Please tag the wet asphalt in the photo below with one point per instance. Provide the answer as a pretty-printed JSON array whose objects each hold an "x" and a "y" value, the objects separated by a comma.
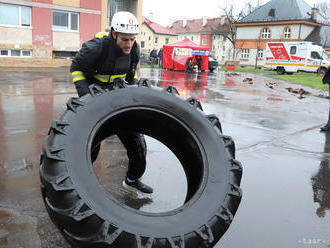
[{"x": 286, "y": 178}]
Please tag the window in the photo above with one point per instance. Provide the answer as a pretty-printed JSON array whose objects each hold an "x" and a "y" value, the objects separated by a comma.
[
  {"x": 265, "y": 34},
  {"x": 223, "y": 58},
  {"x": 293, "y": 50},
  {"x": 245, "y": 54},
  {"x": 167, "y": 40},
  {"x": 15, "y": 15},
  {"x": 64, "y": 54},
  {"x": 142, "y": 44},
  {"x": 287, "y": 33},
  {"x": 224, "y": 38},
  {"x": 4, "y": 53},
  {"x": 315, "y": 55},
  {"x": 204, "y": 41},
  {"x": 149, "y": 38},
  {"x": 223, "y": 48},
  {"x": 192, "y": 38},
  {"x": 156, "y": 40},
  {"x": 15, "y": 53},
  {"x": 26, "y": 53},
  {"x": 260, "y": 54},
  {"x": 271, "y": 12},
  {"x": 65, "y": 21}
]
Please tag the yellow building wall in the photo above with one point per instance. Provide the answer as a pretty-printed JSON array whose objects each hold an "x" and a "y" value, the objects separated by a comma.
[
  {"x": 66, "y": 41},
  {"x": 70, "y": 3},
  {"x": 18, "y": 38},
  {"x": 146, "y": 32}
]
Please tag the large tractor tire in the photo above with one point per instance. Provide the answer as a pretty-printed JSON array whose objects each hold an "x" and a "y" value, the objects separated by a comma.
[{"x": 86, "y": 213}]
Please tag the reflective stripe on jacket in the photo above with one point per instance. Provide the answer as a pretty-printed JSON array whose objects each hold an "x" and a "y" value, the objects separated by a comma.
[
  {"x": 101, "y": 60},
  {"x": 78, "y": 75}
]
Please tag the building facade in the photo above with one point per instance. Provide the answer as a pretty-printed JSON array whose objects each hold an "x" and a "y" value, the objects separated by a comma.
[
  {"x": 154, "y": 36},
  {"x": 50, "y": 32},
  {"x": 277, "y": 20},
  {"x": 206, "y": 32}
]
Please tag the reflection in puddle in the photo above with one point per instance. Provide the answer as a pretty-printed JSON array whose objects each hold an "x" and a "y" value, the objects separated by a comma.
[
  {"x": 321, "y": 181},
  {"x": 164, "y": 171},
  {"x": 188, "y": 84}
]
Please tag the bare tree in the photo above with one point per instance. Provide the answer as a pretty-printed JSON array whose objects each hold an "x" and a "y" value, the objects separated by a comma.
[{"x": 229, "y": 30}]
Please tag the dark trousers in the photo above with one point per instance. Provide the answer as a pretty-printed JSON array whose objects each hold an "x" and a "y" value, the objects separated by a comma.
[
  {"x": 134, "y": 144},
  {"x": 329, "y": 108},
  {"x": 136, "y": 148}
]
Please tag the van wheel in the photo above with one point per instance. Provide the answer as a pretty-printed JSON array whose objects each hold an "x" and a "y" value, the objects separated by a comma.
[
  {"x": 322, "y": 71},
  {"x": 88, "y": 216},
  {"x": 280, "y": 70},
  {"x": 289, "y": 73}
]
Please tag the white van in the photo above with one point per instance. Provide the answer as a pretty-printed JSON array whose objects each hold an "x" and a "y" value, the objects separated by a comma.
[{"x": 290, "y": 57}]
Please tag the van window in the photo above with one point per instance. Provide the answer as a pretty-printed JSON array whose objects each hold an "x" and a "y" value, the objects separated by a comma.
[
  {"x": 315, "y": 55},
  {"x": 293, "y": 50}
]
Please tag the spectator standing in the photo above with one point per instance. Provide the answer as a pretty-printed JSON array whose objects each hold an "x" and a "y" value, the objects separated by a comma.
[
  {"x": 160, "y": 57},
  {"x": 153, "y": 56}
]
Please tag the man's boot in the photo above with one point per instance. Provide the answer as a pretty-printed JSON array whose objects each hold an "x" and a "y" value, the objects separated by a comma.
[
  {"x": 325, "y": 128},
  {"x": 137, "y": 185}
]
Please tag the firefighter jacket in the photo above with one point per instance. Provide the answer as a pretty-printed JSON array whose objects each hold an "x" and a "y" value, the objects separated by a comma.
[{"x": 100, "y": 60}]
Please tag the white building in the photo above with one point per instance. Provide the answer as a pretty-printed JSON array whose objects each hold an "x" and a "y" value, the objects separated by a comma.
[{"x": 277, "y": 20}]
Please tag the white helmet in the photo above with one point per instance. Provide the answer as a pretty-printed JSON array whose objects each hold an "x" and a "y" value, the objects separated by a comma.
[{"x": 125, "y": 22}]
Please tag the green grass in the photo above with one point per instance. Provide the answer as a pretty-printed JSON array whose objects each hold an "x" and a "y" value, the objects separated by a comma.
[
  {"x": 149, "y": 66},
  {"x": 312, "y": 80},
  {"x": 247, "y": 69}
]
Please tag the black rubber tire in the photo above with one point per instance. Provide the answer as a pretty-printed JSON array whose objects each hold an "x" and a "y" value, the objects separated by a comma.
[
  {"x": 322, "y": 71},
  {"x": 280, "y": 70},
  {"x": 88, "y": 216}
]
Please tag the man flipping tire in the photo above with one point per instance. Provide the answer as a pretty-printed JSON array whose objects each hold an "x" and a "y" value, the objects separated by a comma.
[{"x": 103, "y": 60}]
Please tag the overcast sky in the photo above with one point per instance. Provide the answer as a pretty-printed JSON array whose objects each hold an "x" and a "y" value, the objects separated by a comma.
[{"x": 164, "y": 11}]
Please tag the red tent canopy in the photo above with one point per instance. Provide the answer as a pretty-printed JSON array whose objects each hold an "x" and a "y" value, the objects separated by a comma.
[{"x": 176, "y": 55}]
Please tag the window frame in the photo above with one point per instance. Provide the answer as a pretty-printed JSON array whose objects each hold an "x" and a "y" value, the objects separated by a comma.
[
  {"x": 264, "y": 35},
  {"x": 245, "y": 53},
  {"x": 204, "y": 42},
  {"x": 20, "y": 56},
  {"x": 285, "y": 33},
  {"x": 260, "y": 53},
  {"x": 293, "y": 50},
  {"x": 69, "y": 21},
  {"x": 19, "y": 17}
]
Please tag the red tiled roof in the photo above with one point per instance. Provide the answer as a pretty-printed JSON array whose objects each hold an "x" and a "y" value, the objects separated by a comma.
[
  {"x": 196, "y": 26},
  {"x": 157, "y": 28}
]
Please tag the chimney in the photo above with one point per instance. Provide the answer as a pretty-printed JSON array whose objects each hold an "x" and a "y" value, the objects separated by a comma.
[
  {"x": 184, "y": 23},
  {"x": 315, "y": 12},
  {"x": 204, "y": 20},
  {"x": 151, "y": 16}
]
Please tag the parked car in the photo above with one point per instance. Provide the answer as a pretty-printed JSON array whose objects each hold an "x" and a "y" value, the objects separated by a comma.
[
  {"x": 213, "y": 64},
  {"x": 144, "y": 59}
]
